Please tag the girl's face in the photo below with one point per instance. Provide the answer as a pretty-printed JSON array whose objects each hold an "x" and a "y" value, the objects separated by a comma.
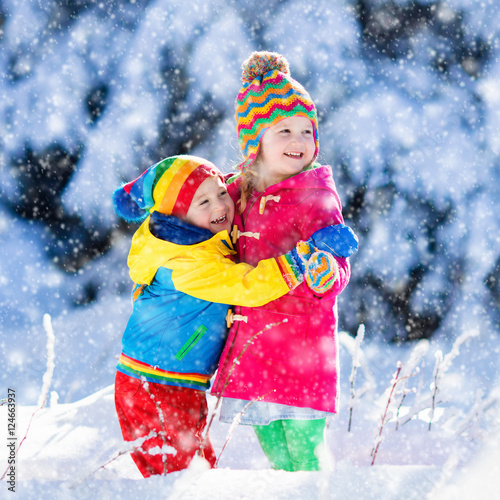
[
  {"x": 211, "y": 208},
  {"x": 285, "y": 149}
]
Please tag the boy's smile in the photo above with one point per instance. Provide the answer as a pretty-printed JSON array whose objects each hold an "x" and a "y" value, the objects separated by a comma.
[
  {"x": 212, "y": 208},
  {"x": 220, "y": 220}
]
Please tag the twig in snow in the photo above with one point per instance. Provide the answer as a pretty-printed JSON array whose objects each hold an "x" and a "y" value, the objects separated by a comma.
[
  {"x": 47, "y": 380},
  {"x": 411, "y": 369},
  {"x": 137, "y": 444},
  {"x": 378, "y": 440},
  {"x": 47, "y": 376},
  {"x": 405, "y": 392},
  {"x": 442, "y": 365},
  {"x": 416, "y": 409},
  {"x": 129, "y": 446},
  {"x": 226, "y": 382},
  {"x": 476, "y": 413},
  {"x": 434, "y": 385},
  {"x": 162, "y": 423},
  {"x": 236, "y": 421},
  {"x": 355, "y": 364},
  {"x": 401, "y": 376}
]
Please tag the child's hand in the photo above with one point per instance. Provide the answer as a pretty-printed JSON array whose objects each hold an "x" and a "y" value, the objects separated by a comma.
[
  {"x": 313, "y": 257},
  {"x": 318, "y": 268},
  {"x": 321, "y": 272},
  {"x": 337, "y": 239}
]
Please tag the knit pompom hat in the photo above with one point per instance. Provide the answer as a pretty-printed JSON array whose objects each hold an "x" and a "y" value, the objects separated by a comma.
[
  {"x": 269, "y": 94},
  {"x": 167, "y": 187}
]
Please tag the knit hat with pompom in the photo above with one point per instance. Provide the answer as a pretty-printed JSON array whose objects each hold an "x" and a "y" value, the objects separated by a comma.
[
  {"x": 269, "y": 94},
  {"x": 167, "y": 187}
]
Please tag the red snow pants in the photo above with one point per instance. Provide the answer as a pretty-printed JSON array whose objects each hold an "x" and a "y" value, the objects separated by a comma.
[{"x": 178, "y": 430}]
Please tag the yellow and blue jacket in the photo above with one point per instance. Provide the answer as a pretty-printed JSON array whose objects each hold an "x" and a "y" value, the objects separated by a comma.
[{"x": 184, "y": 280}]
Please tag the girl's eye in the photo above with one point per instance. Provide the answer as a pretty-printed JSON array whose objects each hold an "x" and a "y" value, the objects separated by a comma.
[
  {"x": 203, "y": 202},
  {"x": 308, "y": 131},
  {"x": 222, "y": 193}
]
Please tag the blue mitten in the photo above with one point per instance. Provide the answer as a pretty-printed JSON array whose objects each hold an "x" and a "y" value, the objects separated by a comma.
[{"x": 338, "y": 239}]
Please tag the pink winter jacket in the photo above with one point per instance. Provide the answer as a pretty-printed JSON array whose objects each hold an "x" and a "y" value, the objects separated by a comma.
[{"x": 296, "y": 362}]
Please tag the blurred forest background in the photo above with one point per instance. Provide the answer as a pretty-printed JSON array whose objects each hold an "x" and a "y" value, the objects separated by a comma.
[{"x": 93, "y": 92}]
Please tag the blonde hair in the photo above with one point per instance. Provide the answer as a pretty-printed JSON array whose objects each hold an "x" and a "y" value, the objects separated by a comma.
[{"x": 249, "y": 179}]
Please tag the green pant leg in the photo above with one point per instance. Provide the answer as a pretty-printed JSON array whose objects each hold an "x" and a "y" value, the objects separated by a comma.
[
  {"x": 303, "y": 437},
  {"x": 273, "y": 442}
]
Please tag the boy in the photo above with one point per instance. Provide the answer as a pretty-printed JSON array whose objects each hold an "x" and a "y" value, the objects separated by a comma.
[{"x": 180, "y": 262}]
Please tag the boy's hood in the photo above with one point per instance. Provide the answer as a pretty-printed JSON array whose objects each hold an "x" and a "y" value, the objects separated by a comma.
[
  {"x": 162, "y": 238},
  {"x": 173, "y": 229}
]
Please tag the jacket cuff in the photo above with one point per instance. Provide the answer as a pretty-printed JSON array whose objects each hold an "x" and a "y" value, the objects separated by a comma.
[
  {"x": 301, "y": 254},
  {"x": 291, "y": 269}
]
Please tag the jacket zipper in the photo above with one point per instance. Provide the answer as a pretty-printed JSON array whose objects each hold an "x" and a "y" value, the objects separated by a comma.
[
  {"x": 191, "y": 342},
  {"x": 243, "y": 220}
]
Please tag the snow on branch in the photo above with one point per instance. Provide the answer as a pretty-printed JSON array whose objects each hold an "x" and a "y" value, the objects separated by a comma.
[
  {"x": 398, "y": 390},
  {"x": 410, "y": 369},
  {"x": 358, "y": 361},
  {"x": 472, "y": 420},
  {"x": 47, "y": 376},
  {"x": 236, "y": 421},
  {"x": 443, "y": 364},
  {"x": 47, "y": 379},
  {"x": 226, "y": 382},
  {"x": 127, "y": 447},
  {"x": 386, "y": 416}
]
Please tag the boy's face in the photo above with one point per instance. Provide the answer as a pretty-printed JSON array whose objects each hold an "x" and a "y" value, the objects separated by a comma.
[{"x": 212, "y": 208}]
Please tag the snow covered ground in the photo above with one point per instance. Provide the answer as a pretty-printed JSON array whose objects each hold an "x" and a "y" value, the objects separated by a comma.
[{"x": 75, "y": 450}]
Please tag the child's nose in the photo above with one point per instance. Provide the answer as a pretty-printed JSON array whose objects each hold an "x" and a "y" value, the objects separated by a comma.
[{"x": 220, "y": 204}]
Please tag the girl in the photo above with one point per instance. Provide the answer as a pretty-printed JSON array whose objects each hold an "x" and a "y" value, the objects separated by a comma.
[{"x": 283, "y": 196}]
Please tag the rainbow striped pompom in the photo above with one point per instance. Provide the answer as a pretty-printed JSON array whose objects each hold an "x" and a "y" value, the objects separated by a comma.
[{"x": 260, "y": 63}]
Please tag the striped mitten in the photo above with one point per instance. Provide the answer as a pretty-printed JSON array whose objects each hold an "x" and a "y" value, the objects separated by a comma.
[
  {"x": 319, "y": 268},
  {"x": 321, "y": 273}
]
